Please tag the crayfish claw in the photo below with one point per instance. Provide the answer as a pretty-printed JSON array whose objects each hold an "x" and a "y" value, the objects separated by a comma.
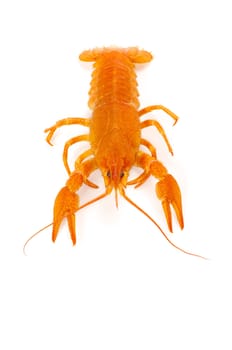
[
  {"x": 167, "y": 212},
  {"x": 65, "y": 206},
  {"x": 72, "y": 227},
  {"x": 168, "y": 192}
]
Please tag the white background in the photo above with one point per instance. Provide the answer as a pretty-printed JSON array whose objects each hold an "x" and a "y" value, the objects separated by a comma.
[{"x": 122, "y": 286}]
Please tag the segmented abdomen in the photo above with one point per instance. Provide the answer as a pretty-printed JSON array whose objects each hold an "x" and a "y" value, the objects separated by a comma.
[{"x": 113, "y": 81}]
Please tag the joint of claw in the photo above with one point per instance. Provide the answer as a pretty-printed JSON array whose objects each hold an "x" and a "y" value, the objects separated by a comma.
[
  {"x": 158, "y": 170},
  {"x": 75, "y": 181}
]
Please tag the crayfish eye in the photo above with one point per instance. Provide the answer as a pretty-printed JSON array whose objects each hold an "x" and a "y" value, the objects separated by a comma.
[
  {"x": 121, "y": 174},
  {"x": 108, "y": 174}
]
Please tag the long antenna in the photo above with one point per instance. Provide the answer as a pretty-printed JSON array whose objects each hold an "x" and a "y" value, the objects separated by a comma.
[
  {"x": 35, "y": 234},
  {"x": 160, "y": 229}
]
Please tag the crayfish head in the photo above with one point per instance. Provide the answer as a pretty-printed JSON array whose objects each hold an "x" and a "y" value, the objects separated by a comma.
[{"x": 115, "y": 177}]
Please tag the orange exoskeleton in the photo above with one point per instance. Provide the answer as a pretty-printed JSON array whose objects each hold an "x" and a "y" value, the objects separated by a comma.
[{"x": 114, "y": 136}]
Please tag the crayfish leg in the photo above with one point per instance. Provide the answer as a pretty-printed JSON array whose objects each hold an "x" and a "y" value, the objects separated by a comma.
[{"x": 159, "y": 107}]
